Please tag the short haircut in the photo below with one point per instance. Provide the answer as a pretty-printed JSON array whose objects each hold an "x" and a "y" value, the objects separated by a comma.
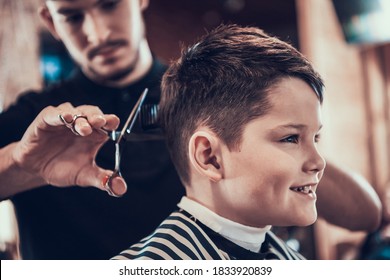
[{"x": 222, "y": 82}]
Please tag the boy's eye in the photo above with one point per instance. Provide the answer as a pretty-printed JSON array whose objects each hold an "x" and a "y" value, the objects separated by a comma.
[
  {"x": 291, "y": 139},
  {"x": 317, "y": 138}
]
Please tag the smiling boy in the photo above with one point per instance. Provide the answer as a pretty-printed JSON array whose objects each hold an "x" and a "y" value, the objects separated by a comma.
[
  {"x": 241, "y": 111},
  {"x": 59, "y": 199}
]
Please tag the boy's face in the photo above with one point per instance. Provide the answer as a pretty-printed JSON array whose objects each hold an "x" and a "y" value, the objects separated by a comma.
[
  {"x": 272, "y": 178},
  {"x": 102, "y": 36}
]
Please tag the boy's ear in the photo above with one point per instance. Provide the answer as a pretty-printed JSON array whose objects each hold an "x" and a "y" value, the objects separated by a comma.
[
  {"x": 205, "y": 155},
  {"x": 48, "y": 21}
]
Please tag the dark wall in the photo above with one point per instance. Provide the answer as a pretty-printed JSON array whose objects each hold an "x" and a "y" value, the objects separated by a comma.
[{"x": 172, "y": 22}]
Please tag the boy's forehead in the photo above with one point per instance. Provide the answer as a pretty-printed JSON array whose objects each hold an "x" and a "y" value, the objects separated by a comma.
[{"x": 292, "y": 94}]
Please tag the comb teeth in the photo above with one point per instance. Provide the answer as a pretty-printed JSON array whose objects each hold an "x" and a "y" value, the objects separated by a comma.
[{"x": 149, "y": 116}]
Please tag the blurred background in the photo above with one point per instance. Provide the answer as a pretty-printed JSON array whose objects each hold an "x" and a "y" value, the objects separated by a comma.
[{"x": 348, "y": 41}]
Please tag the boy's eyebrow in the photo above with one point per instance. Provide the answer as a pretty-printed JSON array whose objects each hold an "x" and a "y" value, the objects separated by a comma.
[{"x": 295, "y": 126}]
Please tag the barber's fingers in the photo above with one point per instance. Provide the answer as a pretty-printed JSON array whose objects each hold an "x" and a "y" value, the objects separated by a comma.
[
  {"x": 117, "y": 186},
  {"x": 49, "y": 116},
  {"x": 96, "y": 176},
  {"x": 92, "y": 118},
  {"x": 82, "y": 120},
  {"x": 86, "y": 124}
]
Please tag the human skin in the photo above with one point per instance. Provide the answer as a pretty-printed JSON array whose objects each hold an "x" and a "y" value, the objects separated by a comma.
[{"x": 272, "y": 177}]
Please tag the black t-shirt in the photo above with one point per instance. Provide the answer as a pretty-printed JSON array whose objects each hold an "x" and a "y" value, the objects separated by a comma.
[{"x": 87, "y": 223}]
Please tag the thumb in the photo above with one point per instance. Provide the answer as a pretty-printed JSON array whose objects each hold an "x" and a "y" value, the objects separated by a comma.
[
  {"x": 115, "y": 185},
  {"x": 98, "y": 177}
]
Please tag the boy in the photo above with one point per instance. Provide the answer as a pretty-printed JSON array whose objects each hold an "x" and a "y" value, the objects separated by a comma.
[
  {"x": 106, "y": 40},
  {"x": 241, "y": 113}
]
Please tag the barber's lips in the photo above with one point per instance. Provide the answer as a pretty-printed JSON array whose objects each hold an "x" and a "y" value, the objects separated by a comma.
[
  {"x": 307, "y": 190},
  {"x": 106, "y": 50}
]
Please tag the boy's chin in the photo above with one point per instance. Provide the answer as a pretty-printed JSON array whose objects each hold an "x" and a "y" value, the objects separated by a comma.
[
  {"x": 304, "y": 221},
  {"x": 309, "y": 221}
]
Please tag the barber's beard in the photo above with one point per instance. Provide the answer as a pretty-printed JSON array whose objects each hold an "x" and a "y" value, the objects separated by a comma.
[{"x": 115, "y": 76}]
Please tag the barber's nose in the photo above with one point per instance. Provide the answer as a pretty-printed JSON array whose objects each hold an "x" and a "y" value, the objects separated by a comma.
[
  {"x": 315, "y": 162},
  {"x": 96, "y": 29}
]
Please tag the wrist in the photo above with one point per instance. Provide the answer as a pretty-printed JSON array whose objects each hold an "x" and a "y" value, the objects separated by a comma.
[{"x": 15, "y": 178}]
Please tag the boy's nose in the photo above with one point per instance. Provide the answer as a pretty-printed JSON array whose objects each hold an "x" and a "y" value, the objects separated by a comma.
[
  {"x": 96, "y": 29},
  {"x": 315, "y": 162}
]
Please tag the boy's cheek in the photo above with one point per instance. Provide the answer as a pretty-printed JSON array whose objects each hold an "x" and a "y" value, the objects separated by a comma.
[{"x": 320, "y": 175}]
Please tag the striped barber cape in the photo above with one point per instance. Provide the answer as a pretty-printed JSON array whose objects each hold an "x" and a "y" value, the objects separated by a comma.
[{"x": 182, "y": 237}]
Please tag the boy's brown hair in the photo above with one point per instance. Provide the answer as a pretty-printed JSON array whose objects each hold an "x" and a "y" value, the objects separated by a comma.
[{"x": 223, "y": 82}]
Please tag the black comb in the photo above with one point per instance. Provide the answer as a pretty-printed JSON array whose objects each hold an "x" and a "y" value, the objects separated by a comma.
[{"x": 149, "y": 116}]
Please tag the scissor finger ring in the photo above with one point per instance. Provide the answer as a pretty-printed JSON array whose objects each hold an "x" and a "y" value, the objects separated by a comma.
[
  {"x": 72, "y": 123},
  {"x": 107, "y": 181},
  {"x": 66, "y": 123},
  {"x": 75, "y": 117}
]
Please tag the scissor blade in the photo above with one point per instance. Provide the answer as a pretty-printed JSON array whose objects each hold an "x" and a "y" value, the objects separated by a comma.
[{"x": 133, "y": 116}]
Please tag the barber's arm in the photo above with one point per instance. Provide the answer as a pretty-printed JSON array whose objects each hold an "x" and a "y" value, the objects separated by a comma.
[
  {"x": 13, "y": 178},
  {"x": 50, "y": 153},
  {"x": 347, "y": 200}
]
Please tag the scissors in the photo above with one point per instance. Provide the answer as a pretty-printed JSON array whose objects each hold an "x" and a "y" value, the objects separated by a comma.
[{"x": 117, "y": 137}]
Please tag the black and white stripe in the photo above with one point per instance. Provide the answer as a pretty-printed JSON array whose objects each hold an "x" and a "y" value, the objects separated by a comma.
[
  {"x": 181, "y": 237},
  {"x": 281, "y": 249}
]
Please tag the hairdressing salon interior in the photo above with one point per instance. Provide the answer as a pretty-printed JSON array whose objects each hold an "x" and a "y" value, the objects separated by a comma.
[{"x": 348, "y": 42}]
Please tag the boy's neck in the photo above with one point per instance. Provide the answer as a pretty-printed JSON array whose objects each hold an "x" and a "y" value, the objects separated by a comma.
[{"x": 247, "y": 237}]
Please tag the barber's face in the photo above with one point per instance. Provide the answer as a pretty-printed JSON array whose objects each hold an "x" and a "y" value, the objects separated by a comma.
[{"x": 103, "y": 36}]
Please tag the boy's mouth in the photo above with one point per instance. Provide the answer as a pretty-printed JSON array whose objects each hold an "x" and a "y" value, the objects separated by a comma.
[{"x": 304, "y": 189}]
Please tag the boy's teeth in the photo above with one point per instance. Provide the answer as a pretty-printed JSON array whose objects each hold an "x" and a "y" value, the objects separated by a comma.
[{"x": 304, "y": 189}]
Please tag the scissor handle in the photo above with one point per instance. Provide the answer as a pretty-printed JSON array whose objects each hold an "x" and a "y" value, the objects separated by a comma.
[{"x": 107, "y": 182}]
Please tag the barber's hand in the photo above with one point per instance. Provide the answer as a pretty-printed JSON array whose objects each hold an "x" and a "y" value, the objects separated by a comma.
[{"x": 65, "y": 155}]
